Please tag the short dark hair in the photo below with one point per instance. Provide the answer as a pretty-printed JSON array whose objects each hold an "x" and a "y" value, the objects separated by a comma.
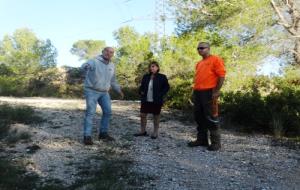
[
  {"x": 153, "y": 63},
  {"x": 106, "y": 48}
]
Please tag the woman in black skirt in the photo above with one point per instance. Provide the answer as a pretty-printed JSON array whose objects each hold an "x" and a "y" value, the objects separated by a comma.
[{"x": 153, "y": 88}]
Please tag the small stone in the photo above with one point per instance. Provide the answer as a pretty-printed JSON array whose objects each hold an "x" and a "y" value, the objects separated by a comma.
[{"x": 32, "y": 149}]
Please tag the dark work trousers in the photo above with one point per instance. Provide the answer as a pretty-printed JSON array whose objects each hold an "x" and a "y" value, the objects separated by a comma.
[{"x": 203, "y": 114}]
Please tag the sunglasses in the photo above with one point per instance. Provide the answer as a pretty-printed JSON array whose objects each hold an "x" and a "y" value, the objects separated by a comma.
[{"x": 201, "y": 48}]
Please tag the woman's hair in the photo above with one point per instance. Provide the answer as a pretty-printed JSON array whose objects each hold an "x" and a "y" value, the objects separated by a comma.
[{"x": 153, "y": 63}]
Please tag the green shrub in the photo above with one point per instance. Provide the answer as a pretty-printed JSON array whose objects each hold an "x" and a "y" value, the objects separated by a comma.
[
  {"x": 15, "y": 135},
  {"x": 12, "y": 176},
  {"x": 10, "y": 114},
  {"x": 4, "y": 127},
  {"x": 130, "y": 93},
  {"x": 246, "y": 109},
  {"x": 21, "y": 114},
  {"x": 180, "y": 94},
  {"x": 285, "y": 105},
  {"x": 15, "y": 86},
  {"x": 277, "y": 113}
]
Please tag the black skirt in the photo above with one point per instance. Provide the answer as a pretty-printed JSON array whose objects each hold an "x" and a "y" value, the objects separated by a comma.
[{"x": 150, "y": 107}]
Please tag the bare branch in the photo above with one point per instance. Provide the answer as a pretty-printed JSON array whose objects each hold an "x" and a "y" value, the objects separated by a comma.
[
  {"x": 294, "y": 52},
  {"x": 284, "y": 22},
  {"x": 295, "y": 14},
  {"x": 288, "y": 4}
]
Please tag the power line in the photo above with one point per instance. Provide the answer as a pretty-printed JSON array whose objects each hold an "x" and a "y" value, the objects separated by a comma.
[{"x": 159, "y": 16}]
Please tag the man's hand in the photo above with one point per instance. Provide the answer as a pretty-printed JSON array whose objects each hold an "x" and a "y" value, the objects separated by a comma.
[
  {"x": 216, "y": 90},
  {"x": 87, "y": 67},
  {"x": 216, "y": 93},
  {"x": 122, "y": 95}
]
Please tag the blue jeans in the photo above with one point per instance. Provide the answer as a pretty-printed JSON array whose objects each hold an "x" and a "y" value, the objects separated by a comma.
[{"x": 103, "y": 99}]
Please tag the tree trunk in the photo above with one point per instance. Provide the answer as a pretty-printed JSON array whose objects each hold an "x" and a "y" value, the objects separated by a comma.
[
  {"x": 296, "y": 23},
  {"x": 292, "y": 26},
  {"x": 297, "y": 51},
  {"x": 297, "y": 38}
]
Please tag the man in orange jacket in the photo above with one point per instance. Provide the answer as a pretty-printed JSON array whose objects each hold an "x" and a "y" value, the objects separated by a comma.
[{"x": 208, "y": 80}]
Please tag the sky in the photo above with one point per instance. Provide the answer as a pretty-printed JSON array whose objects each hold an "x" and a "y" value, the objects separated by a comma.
[
  {"x": 67, "y": 21},
  {"x": 271, "y": 66}
]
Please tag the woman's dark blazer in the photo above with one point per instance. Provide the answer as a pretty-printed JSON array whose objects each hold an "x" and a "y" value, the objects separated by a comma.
[{"x": 160, "y": 88}]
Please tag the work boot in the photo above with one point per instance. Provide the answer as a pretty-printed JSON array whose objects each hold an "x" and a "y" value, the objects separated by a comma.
[
  {"x": 87, "y": 140},
  {"x": 215, "y": 138},
  {"x": 106, "y": 137},
  {"x": 198, "y": 143},
  {"x": 202, "y": 139}
]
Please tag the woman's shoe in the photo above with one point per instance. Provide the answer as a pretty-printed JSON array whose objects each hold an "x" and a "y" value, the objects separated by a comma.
[
  {"x": 141, "y": 134},
  {"x": 153, "y": 137},
  {"x": 87, "y": 140}
]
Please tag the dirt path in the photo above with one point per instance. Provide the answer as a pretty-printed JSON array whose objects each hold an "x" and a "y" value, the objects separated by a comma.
[{"x": 245, "y": 162}]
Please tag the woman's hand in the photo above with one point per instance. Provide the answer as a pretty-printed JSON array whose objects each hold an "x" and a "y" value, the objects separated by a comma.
[{"x": 122, "y": 95}]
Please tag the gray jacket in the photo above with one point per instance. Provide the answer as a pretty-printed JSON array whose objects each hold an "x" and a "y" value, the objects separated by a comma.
[{"x": 100, "y": 75}]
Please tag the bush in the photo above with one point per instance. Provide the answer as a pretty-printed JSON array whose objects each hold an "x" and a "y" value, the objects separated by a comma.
[
  {"x": 12, "y": 86},
  {"x": 21, "y": 114},
  {"x": 285, "y": 107},
  {"x": 130, "y": 93},
  {"x": 275, "y": 113},
  {"x": 180, "y": 94},
  {"x": 45, "y": 83},
  {"x": 12, "y": 176},
  {"x": 9, "y": 115},
  {"x": 246, "y": 109}
]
